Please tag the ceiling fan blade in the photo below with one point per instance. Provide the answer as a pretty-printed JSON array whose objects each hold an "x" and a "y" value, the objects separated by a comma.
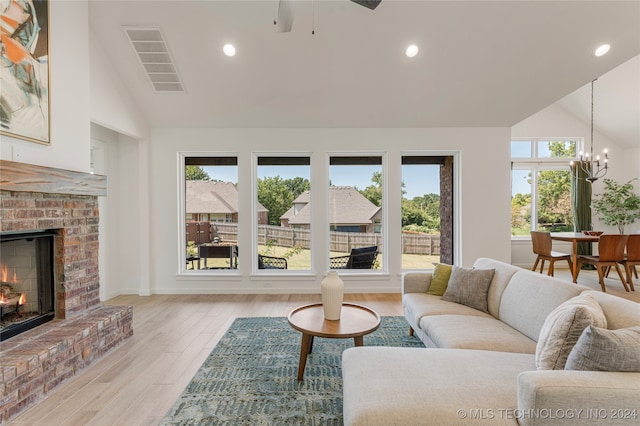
[
  {"x": 371, "y": 4},
  {"x": 284, "y": 20}
]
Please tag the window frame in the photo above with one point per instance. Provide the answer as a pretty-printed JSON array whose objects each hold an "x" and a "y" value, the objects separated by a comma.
[
  {"x": 255, "y": 156},
  {"x": 320, "y": 178},
  {"x": 536, "y": 164},
  {"x": 384, "y": 225},
  {"x": 423, "y": 159},
  {"x": 205, "y": 274}
]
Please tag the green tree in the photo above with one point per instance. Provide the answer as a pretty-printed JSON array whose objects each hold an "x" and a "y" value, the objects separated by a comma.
[
  {"x": 554, "y": 188},
  {"x": 554, "y": 197},
  {"x": 561, "y": 149},
  {"x": 422, "y": 213},
  {"x": 277, "y": 195},
  {"x": 195, "y": 173},
  {"x": 520, "y": 212},
  {"x": 373, "y": 192},
  {"x": 297, "y": 186}
]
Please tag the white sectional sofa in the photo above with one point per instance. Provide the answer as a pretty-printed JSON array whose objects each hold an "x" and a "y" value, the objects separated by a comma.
[{"x": 480, "y": 367}]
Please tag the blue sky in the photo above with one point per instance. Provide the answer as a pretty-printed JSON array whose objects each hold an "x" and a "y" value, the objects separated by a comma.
[
  {"x": 418, "y": 179},
  {"x": 519, "y": 184}
]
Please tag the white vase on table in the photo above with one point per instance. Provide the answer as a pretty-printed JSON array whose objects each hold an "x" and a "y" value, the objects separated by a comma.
[{"x": 332, "y": 290}]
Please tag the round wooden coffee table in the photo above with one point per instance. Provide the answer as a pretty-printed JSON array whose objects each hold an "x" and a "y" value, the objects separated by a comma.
[{"x": 355, "y": 321}]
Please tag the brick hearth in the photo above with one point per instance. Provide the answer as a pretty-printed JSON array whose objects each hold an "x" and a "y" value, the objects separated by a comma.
[{"x": 35, "y": 362}]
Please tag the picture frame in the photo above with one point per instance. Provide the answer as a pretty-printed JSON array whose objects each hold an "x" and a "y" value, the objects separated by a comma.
[{"x": 25, "y": 111}]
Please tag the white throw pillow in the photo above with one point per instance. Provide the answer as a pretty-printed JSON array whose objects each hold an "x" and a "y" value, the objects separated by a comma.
[{"x": 562, "y": 329}]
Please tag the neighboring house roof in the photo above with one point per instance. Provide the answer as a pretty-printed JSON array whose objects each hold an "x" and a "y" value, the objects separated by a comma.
[
  {"x": 347, "y": 207},
  {"x": 212, "y": 197}
]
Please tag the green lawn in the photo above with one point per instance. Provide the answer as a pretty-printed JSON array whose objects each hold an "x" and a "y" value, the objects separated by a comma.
[{"x": 302, "y": 259}]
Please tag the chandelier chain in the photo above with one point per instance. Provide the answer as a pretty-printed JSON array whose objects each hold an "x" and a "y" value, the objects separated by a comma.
[{"x": 590, "y": 165}]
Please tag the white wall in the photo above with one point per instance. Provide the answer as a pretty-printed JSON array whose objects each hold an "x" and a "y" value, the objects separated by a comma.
[
  {"x": 85, "y": 89},
  {"x": 554, "y": 121},
  {"x": 483, "y": 225},
  {"x": 111, "y": 104},
  {"x": 119, "y": 128},
  {"x": 120, "y": 263},
  {"x": 69, "y": 94}
]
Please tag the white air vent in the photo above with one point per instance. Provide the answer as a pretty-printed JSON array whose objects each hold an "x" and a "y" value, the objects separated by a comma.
[{"x": 154, "y": 56}]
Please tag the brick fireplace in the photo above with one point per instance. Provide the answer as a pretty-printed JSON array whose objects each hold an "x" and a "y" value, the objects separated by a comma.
[{"x": 35, "y": 198}]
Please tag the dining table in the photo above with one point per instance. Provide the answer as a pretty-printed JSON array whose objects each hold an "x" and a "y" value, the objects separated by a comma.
[{"x": 574, "y": 238}]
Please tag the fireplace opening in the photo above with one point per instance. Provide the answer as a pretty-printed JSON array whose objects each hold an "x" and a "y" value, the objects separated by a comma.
[{"x": 26, "y": 281}]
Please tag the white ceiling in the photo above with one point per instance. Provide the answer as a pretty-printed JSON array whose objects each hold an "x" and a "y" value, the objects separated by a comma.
[
  {"x": 480, "y": 63},
  {"x": 616, "y": 111}
]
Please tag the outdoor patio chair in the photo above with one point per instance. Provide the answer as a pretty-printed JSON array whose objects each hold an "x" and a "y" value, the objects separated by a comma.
[
  {"x": 271, "y": 262},
  {"x": 360, "y": 258}
]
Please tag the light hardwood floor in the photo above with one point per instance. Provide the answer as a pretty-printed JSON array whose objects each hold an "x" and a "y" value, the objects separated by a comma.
[{"x": 137, "y": 383}]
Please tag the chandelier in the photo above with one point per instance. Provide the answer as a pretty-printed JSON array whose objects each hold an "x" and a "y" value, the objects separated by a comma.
[{"x": 592, "y": 168}]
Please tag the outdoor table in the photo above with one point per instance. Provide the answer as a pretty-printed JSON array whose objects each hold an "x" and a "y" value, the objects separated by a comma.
[{"x": 218, "y": 251}]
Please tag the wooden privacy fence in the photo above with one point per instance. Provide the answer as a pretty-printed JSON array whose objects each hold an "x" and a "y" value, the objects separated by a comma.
[
  {"x": 418, "y": 243},
  {"x": 345, "y": 241},
  {"x": 412, "y": 242},
  {"x": 284, "y": 237},
  {"x": 199, "y": 232}
]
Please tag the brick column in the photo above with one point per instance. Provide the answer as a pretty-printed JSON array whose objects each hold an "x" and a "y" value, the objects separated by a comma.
[{"x": 446, "y": 211}]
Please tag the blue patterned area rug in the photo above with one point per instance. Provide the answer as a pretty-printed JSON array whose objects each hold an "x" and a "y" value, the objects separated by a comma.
[{"x": 250, "y": 376}]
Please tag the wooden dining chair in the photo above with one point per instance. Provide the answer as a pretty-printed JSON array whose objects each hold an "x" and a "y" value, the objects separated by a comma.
[
  {"x": 632, "y": 259},
  {"x": 610, "y": 254},
  {"x": 542, "y": 247}
]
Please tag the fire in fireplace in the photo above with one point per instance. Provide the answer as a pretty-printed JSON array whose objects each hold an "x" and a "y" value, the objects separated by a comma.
[{"x": 26, "y": 281}]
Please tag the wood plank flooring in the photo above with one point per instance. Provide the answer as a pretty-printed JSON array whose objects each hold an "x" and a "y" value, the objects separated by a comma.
[{"x": 138, "y": 382}]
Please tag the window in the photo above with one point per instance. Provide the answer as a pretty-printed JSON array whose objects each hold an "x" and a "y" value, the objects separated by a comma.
[
  {"x": 541, "y": 184},
  {"x": 421, "y": 211},
  {"x": 355, "y": 211},
  {"x": 282, "y": 217},
  {"x": 284, "y": 213},
  {"x": 211, "y": 212}
]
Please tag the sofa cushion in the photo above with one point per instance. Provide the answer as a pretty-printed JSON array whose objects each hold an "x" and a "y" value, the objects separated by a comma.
[
  {"x": 529, "y": 299},
  {"x": 563, "y": 327},
  {"x": 484, "y": 333},
  {"x": 440, "y": 279},
  {"x": 418, "y": 305},
  {"x": 599, "y": 349},
  {"x": 469, "y": 286},
  {"x": 428, "y": 386},
  {"x": 500, "y": 280},
  {"x": 620, "y": 313}
]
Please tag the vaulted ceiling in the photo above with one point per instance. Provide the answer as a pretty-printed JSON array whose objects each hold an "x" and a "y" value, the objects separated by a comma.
[{"x": 480, "y": 63}]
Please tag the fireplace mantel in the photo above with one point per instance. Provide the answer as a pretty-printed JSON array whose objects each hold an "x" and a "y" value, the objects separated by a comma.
[{"x": 25, "y": 177}]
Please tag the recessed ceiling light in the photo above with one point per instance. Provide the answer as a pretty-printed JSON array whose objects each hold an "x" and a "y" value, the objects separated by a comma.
[
  {"x": 229, "y": 50},
  {"x": 602, "y": 50},
  {"x": 412, "y": 51}
]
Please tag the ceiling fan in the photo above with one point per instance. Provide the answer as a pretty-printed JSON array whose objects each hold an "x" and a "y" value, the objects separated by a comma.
[{"x": 286, "y": 9}]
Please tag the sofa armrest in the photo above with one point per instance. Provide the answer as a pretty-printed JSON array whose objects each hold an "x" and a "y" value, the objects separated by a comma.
[
  {"x": 416, "y": 282},
  {"x": 580, "y": 397}
]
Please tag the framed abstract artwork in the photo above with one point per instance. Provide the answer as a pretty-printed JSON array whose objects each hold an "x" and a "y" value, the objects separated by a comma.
[{"x": 24, "y": 70}]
